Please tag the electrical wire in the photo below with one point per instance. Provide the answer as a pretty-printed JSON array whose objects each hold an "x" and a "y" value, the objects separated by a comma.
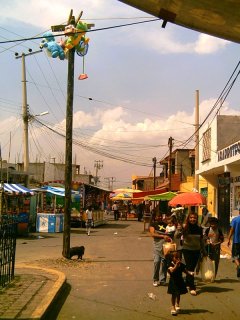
[{"x": 99, "y": 29}]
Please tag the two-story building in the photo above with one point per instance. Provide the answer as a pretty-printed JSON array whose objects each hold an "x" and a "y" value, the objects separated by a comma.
[{"x": 219, "y": 164}]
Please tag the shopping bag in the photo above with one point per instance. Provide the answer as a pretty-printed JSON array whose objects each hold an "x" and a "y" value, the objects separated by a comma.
[
  {"x": 207, "y": 268},
  {"x": 168, "y": 247}
]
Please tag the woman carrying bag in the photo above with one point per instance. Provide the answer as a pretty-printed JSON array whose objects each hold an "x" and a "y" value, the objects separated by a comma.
[{"x": 193, "y": 246}]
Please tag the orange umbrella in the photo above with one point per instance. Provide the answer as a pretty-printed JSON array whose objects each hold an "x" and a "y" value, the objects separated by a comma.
[
  {"x": 188, "y": 199},
  {"x": 127, "y": 190}
]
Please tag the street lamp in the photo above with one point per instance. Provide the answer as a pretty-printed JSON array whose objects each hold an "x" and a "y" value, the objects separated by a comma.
[{"x": 33, "y": 116}]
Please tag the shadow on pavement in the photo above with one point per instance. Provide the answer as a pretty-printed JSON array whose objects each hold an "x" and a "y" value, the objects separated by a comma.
[
  {"x": 226, "y": 281},
  {"x": 194, "y": 311},
  {"x": 114, "y": 226},
  {"x": 213, "y": 289},
  {"x": 57, "y": 303}
]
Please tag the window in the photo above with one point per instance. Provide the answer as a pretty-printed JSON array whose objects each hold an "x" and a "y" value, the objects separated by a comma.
[{"x": 207, "y": 145}]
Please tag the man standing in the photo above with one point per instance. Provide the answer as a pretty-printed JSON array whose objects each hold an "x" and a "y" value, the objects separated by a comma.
[
  {"x": 235, "y": 231},
  {"x": 157, "y": 231},
  {"x": 115, "y": 211}
]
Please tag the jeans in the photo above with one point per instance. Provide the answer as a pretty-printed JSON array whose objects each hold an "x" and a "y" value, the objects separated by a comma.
[
  {"x": 159, "y": 264},
  {"x": 191, "y": 259}
]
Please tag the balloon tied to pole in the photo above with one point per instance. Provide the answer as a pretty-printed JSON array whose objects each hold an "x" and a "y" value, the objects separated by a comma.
[{"x": 75, "y": 37}]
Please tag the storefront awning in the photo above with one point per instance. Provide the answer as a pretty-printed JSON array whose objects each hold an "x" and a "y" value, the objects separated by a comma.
[{"x": 17, "y": 189}]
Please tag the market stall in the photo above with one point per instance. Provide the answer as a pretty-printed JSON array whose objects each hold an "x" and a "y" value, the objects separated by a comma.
[
  {"x": 19, "y": 201},
  {"x": 50, "y": 208}
]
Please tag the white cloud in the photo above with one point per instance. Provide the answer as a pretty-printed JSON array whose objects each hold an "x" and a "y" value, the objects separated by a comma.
[
  {"x": 166, "y": 41},
  {"x": 117, "y": 135},
  {"x": 207, "y": 44}
]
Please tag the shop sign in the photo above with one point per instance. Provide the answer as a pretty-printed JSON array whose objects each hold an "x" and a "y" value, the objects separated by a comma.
[
  {"x": 229, "y": 152},
  {"x": 235, "y": 179}
]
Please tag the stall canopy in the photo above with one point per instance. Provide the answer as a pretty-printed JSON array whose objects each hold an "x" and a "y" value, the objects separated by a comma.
[
  {"x": 17, "y": 189},
  {"x": 56, "y": 190},
  {"x": 166, "y": 196}
]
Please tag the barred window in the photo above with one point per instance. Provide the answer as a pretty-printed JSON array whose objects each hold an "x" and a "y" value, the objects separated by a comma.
[{"x": 207, "y": 145}]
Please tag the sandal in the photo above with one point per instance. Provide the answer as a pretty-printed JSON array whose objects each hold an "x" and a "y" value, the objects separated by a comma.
[
  {"x": 177, "y": 308},
  {"x": 173, "y": 311}
]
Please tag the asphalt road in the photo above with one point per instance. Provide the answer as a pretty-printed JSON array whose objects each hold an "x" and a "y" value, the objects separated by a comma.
[{"x": 114, "y": 279}]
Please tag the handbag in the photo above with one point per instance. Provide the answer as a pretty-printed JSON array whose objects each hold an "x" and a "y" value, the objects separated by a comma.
[
  {"x": 207, "y": 268},
  {"x": 168, "y": 247}
]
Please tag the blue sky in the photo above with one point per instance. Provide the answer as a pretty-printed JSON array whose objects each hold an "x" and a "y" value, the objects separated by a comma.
[{"x": 142, "y": 80}]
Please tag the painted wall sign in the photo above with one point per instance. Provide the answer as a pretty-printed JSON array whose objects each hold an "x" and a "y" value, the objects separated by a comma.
[{"x": 229, "y": 152}]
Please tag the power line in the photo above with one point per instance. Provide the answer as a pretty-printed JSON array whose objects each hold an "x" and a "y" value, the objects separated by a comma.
[{"x": 63, "y": 34}]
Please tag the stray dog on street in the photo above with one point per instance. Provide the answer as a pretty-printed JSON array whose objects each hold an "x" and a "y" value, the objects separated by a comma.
[{"x": 77, "y": 251}]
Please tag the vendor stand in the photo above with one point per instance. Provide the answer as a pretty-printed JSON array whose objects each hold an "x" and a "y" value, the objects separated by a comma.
[
  {"x": 50, "y": 208},
  {"x": 19, "y": 202}
]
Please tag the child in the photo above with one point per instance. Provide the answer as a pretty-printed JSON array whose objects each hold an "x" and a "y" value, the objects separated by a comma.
[
  {"x": 171, "y": 228},
  {"x": 176, "y": 285},
  {"x": 214, "y": 237}
]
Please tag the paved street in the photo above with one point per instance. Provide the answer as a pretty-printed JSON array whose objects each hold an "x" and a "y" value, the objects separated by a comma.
[{"x": 114, "y": 280}]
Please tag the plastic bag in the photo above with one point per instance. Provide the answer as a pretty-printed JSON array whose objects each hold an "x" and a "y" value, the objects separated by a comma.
[
  {"x": 207, "y": 268},
  {"x": 168, "y": 247}
]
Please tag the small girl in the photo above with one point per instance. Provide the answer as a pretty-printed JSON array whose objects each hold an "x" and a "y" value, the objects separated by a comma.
[
  {"x": 171, "y": 227},
  {"x": 176, "y": 285}
]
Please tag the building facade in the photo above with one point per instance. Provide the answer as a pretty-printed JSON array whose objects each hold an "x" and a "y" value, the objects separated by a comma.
[{"x": 219, "y": 165}]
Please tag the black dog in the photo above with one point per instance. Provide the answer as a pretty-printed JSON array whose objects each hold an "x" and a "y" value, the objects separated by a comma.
[{"x": 77, "y": 251}]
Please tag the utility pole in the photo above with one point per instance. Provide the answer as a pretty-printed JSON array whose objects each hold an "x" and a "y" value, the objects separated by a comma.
[
  {"x": 110, "y": 182},
  {"x": 98, "y": 164},
  {"x": 68, "y": 145},
  {"x": 170, "y": 145},
  {"x": 197, "y": 140},
  {"x": 69, "y": 129},
  {"x": 154, "y": 172},
  {"x": 25, "y": 113}
]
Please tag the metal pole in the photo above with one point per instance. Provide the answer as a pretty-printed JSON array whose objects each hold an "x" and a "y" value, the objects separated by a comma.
[
  {"x": 25, "y": 120},
  {"x": 25, "y": 114}
]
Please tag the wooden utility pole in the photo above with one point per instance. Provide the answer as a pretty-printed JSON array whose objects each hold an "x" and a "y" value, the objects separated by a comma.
[
  {"x": 68, "y": 148},
  {"x": 69, "y": 129}
]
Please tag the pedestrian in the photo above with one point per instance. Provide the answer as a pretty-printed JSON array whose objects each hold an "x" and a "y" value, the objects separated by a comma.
[
  {"x": 205, "y": 216},
  {"x": 171, "y": 226},
  {"x": 213, "y": 236},
  {"x": 140, "y": 211},
  {"x": 176, "y": 285},
  {"x": 115, "y": 211},
  {"x": 178, "y": 238},
  {"x": 157, "y": 232},
  {"x": 89, "y": 220},
  {"x": 193, "y": 247},
  {"x": 235, "y": 232}
]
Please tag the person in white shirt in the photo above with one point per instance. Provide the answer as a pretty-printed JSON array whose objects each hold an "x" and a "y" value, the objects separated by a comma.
[
  {"x": 89, "y": 220},
  {"x": 115, "y": 211}
]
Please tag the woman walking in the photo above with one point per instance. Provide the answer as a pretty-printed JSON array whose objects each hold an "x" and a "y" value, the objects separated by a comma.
[{"x": 193, "y": 246}]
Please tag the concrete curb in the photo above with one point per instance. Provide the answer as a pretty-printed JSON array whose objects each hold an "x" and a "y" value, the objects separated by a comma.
[{"x": 44, "y": 305}]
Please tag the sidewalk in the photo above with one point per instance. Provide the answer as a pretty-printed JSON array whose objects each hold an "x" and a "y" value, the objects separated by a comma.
[{"x": 31, "y": 293}]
